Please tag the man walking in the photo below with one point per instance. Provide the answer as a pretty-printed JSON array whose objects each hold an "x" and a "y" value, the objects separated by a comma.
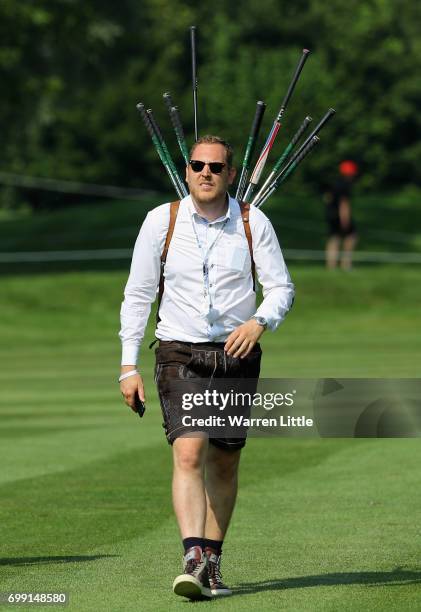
[{"x": 208, "y": 326}]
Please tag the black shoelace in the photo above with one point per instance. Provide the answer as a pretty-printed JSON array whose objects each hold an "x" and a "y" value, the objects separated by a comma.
[
  {"x": 215, "y": 572},
  {"x": 192, "y": 566}
]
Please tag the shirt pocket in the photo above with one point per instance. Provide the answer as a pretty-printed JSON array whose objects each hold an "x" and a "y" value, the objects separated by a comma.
[{"x": 233, "y": 257}]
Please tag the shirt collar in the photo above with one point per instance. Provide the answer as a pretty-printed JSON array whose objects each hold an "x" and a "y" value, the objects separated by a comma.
[{"x": 193, "y": 212}]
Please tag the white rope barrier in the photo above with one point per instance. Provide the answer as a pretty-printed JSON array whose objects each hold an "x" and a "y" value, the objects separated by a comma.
[
  {"x": 109, "y": 254},
  {"x": 48, "y": 184}
]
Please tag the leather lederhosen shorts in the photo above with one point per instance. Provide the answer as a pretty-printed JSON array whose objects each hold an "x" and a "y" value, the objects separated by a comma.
[{"x": 184, "y": 363}]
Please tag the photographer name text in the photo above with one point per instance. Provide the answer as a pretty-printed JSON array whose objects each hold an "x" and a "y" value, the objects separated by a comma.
[{"x": 240, "y": 421}]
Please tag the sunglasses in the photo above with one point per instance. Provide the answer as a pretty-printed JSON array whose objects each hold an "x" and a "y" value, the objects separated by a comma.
[{"x": 214, "y": 167}]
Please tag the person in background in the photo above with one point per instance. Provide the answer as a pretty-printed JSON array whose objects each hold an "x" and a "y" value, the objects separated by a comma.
[{"x": 342, "y": 234}]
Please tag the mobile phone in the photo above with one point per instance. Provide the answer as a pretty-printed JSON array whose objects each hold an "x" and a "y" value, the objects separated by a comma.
[{"x": 139, "y": 405}]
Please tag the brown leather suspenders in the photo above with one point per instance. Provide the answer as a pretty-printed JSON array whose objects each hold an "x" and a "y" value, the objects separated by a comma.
[
  {"x": 245, "y": 213},
  {"x": 173, "y": 217},
  {"x": 174, "y": 206}
]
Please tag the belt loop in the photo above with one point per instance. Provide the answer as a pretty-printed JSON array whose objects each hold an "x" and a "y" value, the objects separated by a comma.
[{"x": 214, "y": 369}]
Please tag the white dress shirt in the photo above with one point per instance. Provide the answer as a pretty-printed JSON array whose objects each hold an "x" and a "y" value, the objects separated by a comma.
[{"x": 208, "y": 284}]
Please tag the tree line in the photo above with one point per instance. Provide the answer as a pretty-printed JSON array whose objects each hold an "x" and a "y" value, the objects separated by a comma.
[{"x": 72, "y": 72}]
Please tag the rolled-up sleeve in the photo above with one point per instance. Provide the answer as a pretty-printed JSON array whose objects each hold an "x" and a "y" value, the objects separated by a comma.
[{"x": 272, "y": 273}]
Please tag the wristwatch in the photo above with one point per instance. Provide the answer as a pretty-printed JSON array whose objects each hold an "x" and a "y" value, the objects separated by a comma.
[{"x": 261, "y": 321}]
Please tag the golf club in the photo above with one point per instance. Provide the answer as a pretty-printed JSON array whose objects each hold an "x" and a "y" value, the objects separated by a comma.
[
  {"x": 316, "y": 130},
  {"x": 251, "y": 145},
  {"x": 146, "y": 120},
  {"x": 194, "y": 78},
  {"x": 167, "y": 154},
  {"x": 177, "y": 125},
  {"x": 289, "y": 169},
  {"x": 286, "y": 153},
  {"x": 257, "y": 172}
]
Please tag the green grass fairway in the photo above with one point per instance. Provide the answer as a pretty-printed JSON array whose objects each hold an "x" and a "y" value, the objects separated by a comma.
[{"x": 327, "y": 525}]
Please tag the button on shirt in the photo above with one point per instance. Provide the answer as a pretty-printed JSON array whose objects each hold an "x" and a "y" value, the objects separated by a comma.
[{"x": 208, "y": 283}]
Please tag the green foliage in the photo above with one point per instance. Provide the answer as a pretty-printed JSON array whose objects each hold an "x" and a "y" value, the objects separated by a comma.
[{"x": 72, "y": 72}]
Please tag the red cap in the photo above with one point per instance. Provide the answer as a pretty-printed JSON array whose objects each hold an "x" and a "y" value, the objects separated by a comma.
[{"x": 348, "y": 168}]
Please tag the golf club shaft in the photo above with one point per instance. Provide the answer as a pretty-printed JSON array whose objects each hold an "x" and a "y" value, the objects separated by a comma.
[
  {"x": 168, "y": 157},
  {"x": 291, "y": 167},
  {"x": 177, "y": 125},
  {"x": 141, "y": 108},
  {"x": 313, "y": 142},
  {"x": 281, "y": 160},
  {"x": 261, "y": 162},
  {"x": 316, "y": 130},
  {"x": 251, "y": 145},
  {"x": 194, "y": 78},
  {"x": 328, "y": 115},
  {"x": 309, "y": 139},
  {"x": 258, "y": 169}
]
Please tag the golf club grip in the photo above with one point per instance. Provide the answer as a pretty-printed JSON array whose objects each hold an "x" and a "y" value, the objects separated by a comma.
[
  {"x": 194, "y": 78},
  {"x": 289, "y": 148},
  {"x": 168, "y": 100},
  {"x": 155, "y": 139},
  {"x": 316, "y": 130},
  {"x": 154, "y": 125},
  {"x": 193, "y": 53},
  {"x": 313, "y": 142},
  {"x": 295, "y": 161},
  {"x": 301, "y": 131},
  {"x": 166, "y": 152},
  {"x": 254, "y": 132},
  {"x": 257, "y": 121},
  {"x": 141, "y": 108},
  {"x": 160, "y": 137},
  {"x": 255, "y": 177},
  {"x": 286, "y": 172},
  {"x": 179, "y": 132},
  {"x": 319, "y": 126},
  {"x": 176, "y": 121},
  {"x": 293, "y": 83},
  {"x": 250, "y": 147}
]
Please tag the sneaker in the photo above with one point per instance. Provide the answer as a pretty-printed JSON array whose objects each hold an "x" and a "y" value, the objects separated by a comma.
[
  {"x": 194, "y": 583},
  {"x": 218, "y": 588}
]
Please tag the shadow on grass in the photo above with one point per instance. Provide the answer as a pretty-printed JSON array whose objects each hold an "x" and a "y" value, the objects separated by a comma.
[
  {"x": 51, "y": 560},
  {"x": 396, "y": 577}
]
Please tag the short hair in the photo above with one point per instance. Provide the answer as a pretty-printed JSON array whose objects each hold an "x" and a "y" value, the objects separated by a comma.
[{"x": 209, "y": 139}]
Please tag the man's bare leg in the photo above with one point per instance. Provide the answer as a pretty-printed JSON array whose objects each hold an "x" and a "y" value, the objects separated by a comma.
[
  {"x": 188, "y": 488},
  {"x": 189, "y": 499},
  {"x": 221, "y": 490},
  {"x": 332, "y": 252},
  {"x": 347, "y": 250}
]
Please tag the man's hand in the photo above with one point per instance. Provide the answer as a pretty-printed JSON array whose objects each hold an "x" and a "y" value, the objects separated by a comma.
[
  {"x": 130, "y": 386},
  {"x": 241, "y": 341}
]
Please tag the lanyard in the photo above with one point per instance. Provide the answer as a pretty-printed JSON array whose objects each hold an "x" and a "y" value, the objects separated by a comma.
[{"x": 205, "y": 256}]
